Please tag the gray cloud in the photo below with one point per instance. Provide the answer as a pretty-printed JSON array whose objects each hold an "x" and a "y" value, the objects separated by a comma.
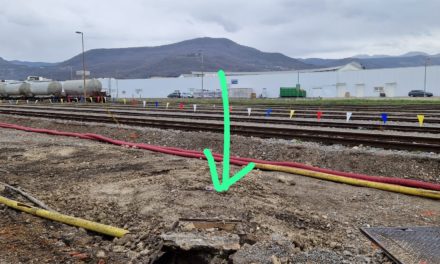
[
  {"x": 44, "y": 30},
  {"x": 227, "y": 24}
]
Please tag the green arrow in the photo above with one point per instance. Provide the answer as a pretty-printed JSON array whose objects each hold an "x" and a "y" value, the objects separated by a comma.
[{"x": 226, "y": 180}]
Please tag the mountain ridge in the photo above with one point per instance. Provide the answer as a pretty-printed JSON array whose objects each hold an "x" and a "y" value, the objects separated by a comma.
[
  {"x": 169, "y": 60},
  {"x": 182, "y": 57}
]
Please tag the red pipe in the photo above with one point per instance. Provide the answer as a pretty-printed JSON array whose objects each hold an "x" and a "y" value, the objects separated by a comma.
[
  {"x": 234, "y": 160},
  {"x": 382, "y": 179}
]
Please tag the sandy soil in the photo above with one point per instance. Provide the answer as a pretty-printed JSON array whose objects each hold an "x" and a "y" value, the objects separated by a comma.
[{"x": 289, "y": 217}]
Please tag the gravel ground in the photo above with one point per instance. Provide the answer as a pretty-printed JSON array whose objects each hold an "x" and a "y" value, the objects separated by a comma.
[
  {"x": 285, "y": 218},
  {"x": 358, "y": 159}
]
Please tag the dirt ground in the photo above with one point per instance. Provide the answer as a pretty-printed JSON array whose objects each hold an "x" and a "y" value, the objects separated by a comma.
[{"x": 282, "y": 217}]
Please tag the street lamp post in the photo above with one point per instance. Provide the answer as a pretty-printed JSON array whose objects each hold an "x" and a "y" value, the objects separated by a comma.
[
  {"x": 201, "y": 55},
  {"x": 424, "y": 81},
  {"x": 84, "y": 65},
  {"x": 117, "y": 86}
]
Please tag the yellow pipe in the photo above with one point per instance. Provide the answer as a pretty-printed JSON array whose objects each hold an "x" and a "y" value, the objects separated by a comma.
[
  {"x": 351, "y": 181},
  {"x": 86, "y": 224}
]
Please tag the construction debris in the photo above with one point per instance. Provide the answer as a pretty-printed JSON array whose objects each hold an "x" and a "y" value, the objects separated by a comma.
[
  {"x": 271, "y": 251},
  {"x": 199, "y": 241},
  {"x": 227, "y": 225}
]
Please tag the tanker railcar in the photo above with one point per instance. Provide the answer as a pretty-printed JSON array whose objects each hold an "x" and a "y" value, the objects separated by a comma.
[
  {"x": 38, "y": 87},
  {"x": 74, "y": 88},
  {"x": 33, "y": 87}
]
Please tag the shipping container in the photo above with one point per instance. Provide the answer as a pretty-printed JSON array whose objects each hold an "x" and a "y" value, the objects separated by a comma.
[{"x": 292, "y": 92}]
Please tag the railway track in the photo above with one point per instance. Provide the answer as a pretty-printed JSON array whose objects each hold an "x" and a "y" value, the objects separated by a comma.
[
  {"x": 327, "y": 136},
  {"x": 262, "y": 111},
  {"x": 255, "y": 119},
  {"x": 434, "y": 108},
  {"x": 428, "y": 107},
  {"x": 430, "y": 117},
  {"x": 434, "y": 117}
]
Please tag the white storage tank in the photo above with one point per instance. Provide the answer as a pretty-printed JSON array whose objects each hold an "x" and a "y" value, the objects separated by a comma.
[
  {"x": 16, "y": 89},
  {"x": 25, "y": 89},
  {"x": 45, "y": 88},
  {"x": 75, "y": 87},
  {"x": 2, "y": 89}
]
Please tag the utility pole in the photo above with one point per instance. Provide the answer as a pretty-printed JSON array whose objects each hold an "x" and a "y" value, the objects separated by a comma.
[
  {"x": 84, "y": 64},
  {"x": 117, "y": 86},
  {"x": 110, "y": 86},
  {"x": 203, "y": 74},
  {"x": 424, "y": 81},
  {"x": 117, "y": 89}
]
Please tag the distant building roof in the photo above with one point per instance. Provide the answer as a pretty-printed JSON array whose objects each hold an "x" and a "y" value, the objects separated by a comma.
[{"x": 352, "y": 66}]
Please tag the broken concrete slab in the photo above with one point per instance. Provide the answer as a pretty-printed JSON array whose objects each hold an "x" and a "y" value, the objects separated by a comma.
[
  {"x": 197, "y": 241},
  {"x": 222, "y": 224}
]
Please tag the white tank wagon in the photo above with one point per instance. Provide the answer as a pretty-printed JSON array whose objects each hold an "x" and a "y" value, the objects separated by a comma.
[
  {"x": 15, "y": 89},
  {"x": 30, "y": 89},
  {"x": 75, "y": 87},
  {"x": 44, "y": 89},
  {"x": 2, "y": 89},
  {"x": 39, "y": 87}
]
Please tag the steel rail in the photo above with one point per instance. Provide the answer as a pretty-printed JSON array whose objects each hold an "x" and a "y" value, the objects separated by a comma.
[{"x": 269, "y": 120}]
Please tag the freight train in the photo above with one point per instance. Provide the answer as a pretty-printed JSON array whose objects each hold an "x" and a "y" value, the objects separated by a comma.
[{"x": 37, "y": 87}]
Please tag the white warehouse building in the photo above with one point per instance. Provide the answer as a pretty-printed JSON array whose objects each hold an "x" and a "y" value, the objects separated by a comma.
[{"x": 346, "y": 81}]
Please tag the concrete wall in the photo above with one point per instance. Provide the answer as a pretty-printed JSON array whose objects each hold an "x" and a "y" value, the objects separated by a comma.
[{"x": 396, "y": 82}]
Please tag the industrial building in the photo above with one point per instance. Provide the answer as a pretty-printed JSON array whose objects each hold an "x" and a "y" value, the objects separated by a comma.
[{"x": 346, "y": 81}]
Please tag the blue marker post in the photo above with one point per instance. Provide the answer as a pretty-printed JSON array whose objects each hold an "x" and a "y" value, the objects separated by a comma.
[
  {"x": 384, "y": 117},
  {"x": 268, "y": 111},
  {"x": 156, "y": 104}
]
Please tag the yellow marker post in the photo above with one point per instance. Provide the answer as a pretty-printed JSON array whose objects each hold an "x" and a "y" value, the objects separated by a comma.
[
  {"x": 125, "y": 101},
  {"x": 62, "y": 101},
  {"x": 91, "y": 99},
  {"x": 168, "y": 105},
  {"x": 292, "y": 112},
  {"x": 421, "y": 118}
]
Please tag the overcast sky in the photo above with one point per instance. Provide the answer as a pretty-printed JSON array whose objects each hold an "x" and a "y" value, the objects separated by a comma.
[{"x": 43, "y": 30}]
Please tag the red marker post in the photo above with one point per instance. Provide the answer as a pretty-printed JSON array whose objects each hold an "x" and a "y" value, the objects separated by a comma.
[{"x": 319, "y": 115}]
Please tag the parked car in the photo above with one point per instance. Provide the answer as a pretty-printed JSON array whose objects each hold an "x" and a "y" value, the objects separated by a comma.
[
  {"x": 178, "y": 94},
  {"x": 419, "y": 93},
  {"x": 175, "y": 94},
  {"x": 186, "y": 95}
]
